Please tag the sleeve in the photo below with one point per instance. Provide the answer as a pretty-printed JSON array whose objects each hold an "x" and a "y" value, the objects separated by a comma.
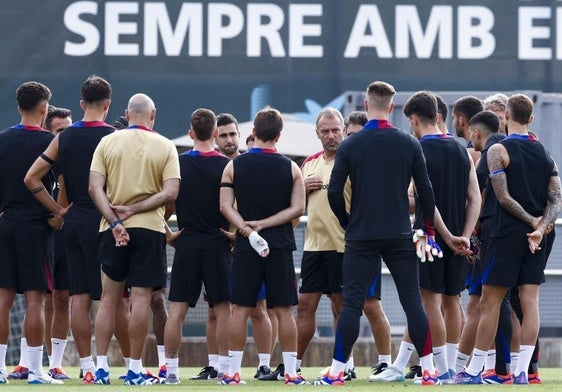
[
  {"x": 338, "y": 179},
  {"x": 424, "y": 188},
  {"x": 172, "y": 166},
  {"x": 98, "y": 162}
]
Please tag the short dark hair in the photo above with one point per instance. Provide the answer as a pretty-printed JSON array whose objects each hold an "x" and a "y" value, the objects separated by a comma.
[
  {"x": 268, "y": 124},
  {"x": 225, "y": 119},
  {"x": 520, "y": 108},
  {"x": 96, "y": 89},
  {"x": 250, "y": 138},
  {"x": 54, "y": 112},
  {"x": 379, "y": 94},
  {"x": 30, "y": 94},
  {"x": 356, "y": 117},
  {"x": 486, "y": 120},
  {"x": 424, "y": 105},
  {"x": 442, "y": 108},
  {"x": 468, "y": 106},
  {"x": 203, "y": 123}
]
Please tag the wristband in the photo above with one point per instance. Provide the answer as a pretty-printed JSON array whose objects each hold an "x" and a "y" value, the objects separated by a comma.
[{"x": 113, "y": 224}]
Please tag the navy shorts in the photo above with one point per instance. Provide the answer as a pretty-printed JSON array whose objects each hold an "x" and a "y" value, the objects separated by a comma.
[
  {"x": 81, "y": 244},
  {"x": 510, "y": 263},
  {"x": 142, "y": 261},
  {"x": 445, "y": 276},
  {"x": 194, "y": 267},
  {"x": 26, "y": 255},
  {"x": 321, "y": 272},
  {"x": 277, "y": 271}
]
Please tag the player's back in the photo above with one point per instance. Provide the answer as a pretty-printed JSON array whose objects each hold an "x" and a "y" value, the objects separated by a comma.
[
  {"x": 197, "y": 205},
  {"x": 528, "y": 174},
  {"x": 76, "y": 148},
  {"x": 20, "y": 146}
]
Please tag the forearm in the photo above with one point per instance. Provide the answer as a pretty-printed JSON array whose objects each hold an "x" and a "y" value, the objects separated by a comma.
[
  {"x": 233, "y": 216},
  {"x": 102, "y": 204},
  {"x": 440, "y": 226},
  {"x": 515, "y": 209},
  {"x": 152, "y": 202},
  {"x": 282, "y": 217},
  {"x": 46, "y": 200}
]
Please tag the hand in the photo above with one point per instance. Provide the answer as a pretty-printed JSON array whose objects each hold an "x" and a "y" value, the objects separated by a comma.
[
  {"x": 171, "y": 237},
  {"x": 312, "y": 184},
  {"x": 548, "y": 229},
  {"x": 534, "y": 239},
  {"x": 121, "y": 235},
  {"x": 56, "y": 222},
  {"x": 259, "y": 244},
  {"x": 64, "y": 210},
  {"x": 254, "y": 226},
  {"x": 229, "y": 235},
  {"x": 426, "y": 247},
  {"x": 122, "y": 212}
]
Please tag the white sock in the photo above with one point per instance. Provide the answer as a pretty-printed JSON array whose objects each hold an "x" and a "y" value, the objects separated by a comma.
[
  {"x": 87, "y": 365},
  {"x": 264, "y": 359},
  {"x": 57, "y": 351},
  {"x": 127, "y": 360},
  {"x": 135, "y": 366},
  {"x": 24, "y": 361},
  {"x": 3, "y": 350},
  {"x": 173, "y": 366},
  {"x": 440, "y": 358},
  {"x": 298, "y": 364},
  {"x": 385, "y": 359},
  {"x": 490, "y": 359},
  {"x": 427, "y": 363},
  {"x": 404, "y": 353},
  {"x": 161, "y": 355},
  {"x": 213, "y": 360},
  {"x": 452, "y": 349},
  {"x": 461, "y": 361},
  {"x": 336, "y": 368},
  {"x": 514, "y": 362},
  {"x": 224, "y": 363},
  {"x": 290, "y": 361},
  {"x": 525, "y": 356},
  {"x": 235, "y": 365},
  {"x": 102, "y": 362},
  {"x": 350, "y": 364},
  {"x": 35, "y": 356},
  {"x": 477, "y": 362}
]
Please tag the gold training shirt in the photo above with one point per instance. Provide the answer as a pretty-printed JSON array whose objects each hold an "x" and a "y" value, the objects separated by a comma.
[
  {"x": 323, "y": 231},
  {"x": 135, "y": 163}
]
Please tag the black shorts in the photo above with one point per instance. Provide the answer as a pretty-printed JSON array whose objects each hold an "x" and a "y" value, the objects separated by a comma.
[
  {"x": 194, "y": 267},
  {"x": 321, "y": 272},
  {"x": 26, "y": 255},
  {"x": 61, "y": 280},
  {"x": 81, "y": 244},
  {"x": 445, "y": 276},
  {"x": 277, "y": 270},
  {"x": 510, "y": 263},
  {"x": 142, "y": 261}
]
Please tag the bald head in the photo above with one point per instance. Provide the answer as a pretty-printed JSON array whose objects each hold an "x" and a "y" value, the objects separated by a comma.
[{"x": 140, "y": 110}]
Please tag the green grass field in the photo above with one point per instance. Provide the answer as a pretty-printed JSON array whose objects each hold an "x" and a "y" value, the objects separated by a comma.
[{"x": 552, "y": 381}]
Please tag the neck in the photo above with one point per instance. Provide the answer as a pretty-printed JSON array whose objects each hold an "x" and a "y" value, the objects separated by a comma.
[
  {"x": 329, "y": 155},
  {"x": 514, "y": 127},
  {"x": 31, "y": 120},
  {"x": 94, "y": 115},
  {"x": 144, "y": 123},
  {"x": 377, "y": 115},
  {"x": 430, "y": 129},
  {"x": 204, "y": 146},
  {"x": 259, "y": 144}
]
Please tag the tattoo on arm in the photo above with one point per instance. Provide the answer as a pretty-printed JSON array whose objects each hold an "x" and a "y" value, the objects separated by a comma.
[
  {"x": 552, "y": 209},
  {"x": 38, "y": 189},
  {"x": 499, "y": 183}
]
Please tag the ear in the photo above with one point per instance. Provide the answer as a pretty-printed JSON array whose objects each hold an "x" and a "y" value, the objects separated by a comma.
[
  {"x": 216, "y": 133},
  {"x": 152, "y": 114},
  {"x": 391, "y": 107},
  {"x": 126, "y": 112},
  {"x": 531, "y": 119},
  {"x": 106, "y": 104},
  {"x": 82, "y": 104},
  {"x": 366, "y": 104},
  {"x": 192, "y": 134}
]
